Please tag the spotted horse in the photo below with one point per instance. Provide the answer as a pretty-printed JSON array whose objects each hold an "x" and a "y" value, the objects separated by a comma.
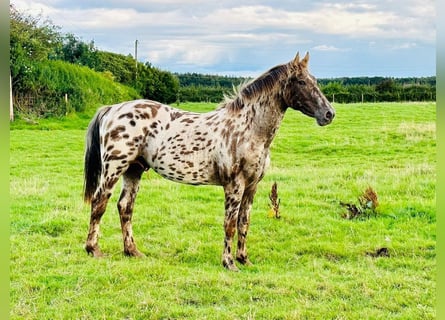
[{"x": 228, "y": 146}]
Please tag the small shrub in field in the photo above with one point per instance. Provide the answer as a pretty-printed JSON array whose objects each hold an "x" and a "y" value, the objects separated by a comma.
[
  {"x": 368, "y": 203},
  {"x": 274, "y": 202}
]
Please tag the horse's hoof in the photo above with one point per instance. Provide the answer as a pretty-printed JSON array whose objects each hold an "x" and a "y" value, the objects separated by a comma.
[
  {"x": 244, "y": 261},
  {"x": 98, "y": 255},
  {"x": 94, "y": 251},
  {"x": 230, "y": 266},
  {"x": 134, "y": 253}
]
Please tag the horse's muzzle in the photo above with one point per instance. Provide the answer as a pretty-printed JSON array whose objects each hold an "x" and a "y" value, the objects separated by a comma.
[{"x": 326, "y": 117}]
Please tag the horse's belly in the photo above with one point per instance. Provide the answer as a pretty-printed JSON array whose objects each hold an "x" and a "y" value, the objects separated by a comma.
[
  {"x": 187, "y": 178},
  {"x": 185, "y": 170}
]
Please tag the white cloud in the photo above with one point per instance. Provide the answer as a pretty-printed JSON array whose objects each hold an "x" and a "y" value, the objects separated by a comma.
[
  {"x": 324, "y": 47},
  {"x": 372, "y": 23},
  {"x": 348, "y": 19},
  {"x": 404, "y": 46},
  {"x": 183, "y": 52},
  {"x": 175, "y": 33}
]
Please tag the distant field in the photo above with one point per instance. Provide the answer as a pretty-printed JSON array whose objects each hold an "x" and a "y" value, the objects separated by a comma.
[{"x": 310, "y": 264}]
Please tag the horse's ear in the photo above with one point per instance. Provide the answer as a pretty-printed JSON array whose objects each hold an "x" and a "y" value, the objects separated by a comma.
[
  {"x": 305, "y": 60},
  {"x": 296, "y": 59}
]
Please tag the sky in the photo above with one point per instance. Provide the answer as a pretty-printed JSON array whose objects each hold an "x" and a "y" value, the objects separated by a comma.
[{"x": 395, "y": 38}]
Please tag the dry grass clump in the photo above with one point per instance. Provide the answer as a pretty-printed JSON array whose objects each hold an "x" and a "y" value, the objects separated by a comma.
[
  {"x": 368, "y": 202},
  {"x": 274, "y": 202}
]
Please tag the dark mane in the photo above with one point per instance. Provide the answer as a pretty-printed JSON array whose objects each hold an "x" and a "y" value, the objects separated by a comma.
[{"x": 263, "y": 84}]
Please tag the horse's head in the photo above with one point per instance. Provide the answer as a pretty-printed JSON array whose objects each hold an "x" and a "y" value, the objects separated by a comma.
[{"x": 301, "y": 92}]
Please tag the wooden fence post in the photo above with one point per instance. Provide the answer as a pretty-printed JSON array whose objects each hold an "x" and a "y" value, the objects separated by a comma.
[{"x": 65, "y": 98}]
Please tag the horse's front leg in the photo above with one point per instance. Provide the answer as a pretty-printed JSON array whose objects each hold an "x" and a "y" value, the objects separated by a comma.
[
  {"x": 243, "y": 224},
  {"x": 233, "y": 194}
]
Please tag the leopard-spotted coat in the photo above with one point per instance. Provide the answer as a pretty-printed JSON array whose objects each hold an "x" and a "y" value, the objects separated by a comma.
[{"x": 228, "y": 147}]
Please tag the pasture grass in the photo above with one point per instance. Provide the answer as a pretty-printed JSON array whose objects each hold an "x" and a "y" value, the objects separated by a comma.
[{"x": 310, "y": 264}]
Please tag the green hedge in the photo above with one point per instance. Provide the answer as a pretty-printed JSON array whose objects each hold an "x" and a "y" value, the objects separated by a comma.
[{"x": 46, "y": 85}]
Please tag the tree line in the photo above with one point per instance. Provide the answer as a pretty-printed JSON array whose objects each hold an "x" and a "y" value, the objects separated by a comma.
[
  {"x": 379, "y": 89},
  {"x": 198, "y": 87}
]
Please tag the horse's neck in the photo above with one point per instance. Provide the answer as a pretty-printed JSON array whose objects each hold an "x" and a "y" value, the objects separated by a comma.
[{"x": 266, "y": 116}]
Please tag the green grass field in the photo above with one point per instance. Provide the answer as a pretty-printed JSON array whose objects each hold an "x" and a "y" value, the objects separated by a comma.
[{"x": 310, "y": 264}]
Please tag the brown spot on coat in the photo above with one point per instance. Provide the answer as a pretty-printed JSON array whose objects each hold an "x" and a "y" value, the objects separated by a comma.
[
  {"x": 128, "y": 115},
  {"x": 114, "y": 134},
  {"x": 187, "y": 120},
  {"x": 141, "y": 106},
  {"x": 175, "y": 115},
  {"x": 154, "y": 111},
  {"x": 115, "y": 152}
]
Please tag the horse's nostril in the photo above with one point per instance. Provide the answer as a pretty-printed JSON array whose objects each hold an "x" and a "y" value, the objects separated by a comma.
[{"x": 329, "y": 115}]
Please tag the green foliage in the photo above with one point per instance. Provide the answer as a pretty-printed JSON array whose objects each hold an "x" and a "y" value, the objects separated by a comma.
[
  {"x": 207, "y": 80},
  {"x": 204, "y": 87},
  {"x": 199, "y": 87},
  {"x": 31, "y": 39},
  {"x": 207, "y": 94},
  {"x": 310, "y": 264},
  {"x": 149, "y": 82},
  {"x": 334, "y": 89},
  {"x": 40, "y": 80},
  {"x": 78, "y": 52},
  {"x": 121, "y": 67},
  {"x": 44, "y": 86},
  {"x": 374, "y": 89},
  {"x": 158, "y": 85},
  {"x": 34, "y": 37},
  {"x": 50, "y": 81}
]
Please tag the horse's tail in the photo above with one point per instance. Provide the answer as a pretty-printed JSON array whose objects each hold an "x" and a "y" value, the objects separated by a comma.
[{"x": 93, "y": 161}]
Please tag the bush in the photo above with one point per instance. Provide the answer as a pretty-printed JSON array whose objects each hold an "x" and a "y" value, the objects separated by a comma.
[{"x": 45, "y": 87}]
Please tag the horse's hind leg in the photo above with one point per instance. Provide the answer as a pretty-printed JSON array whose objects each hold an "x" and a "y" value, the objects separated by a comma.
[
  {"x": 130, "y": 187},
  {"x": 98, "y": 206}
]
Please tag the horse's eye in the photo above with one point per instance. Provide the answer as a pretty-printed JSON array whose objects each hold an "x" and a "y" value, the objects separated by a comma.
[{"x": 301, "y": 82}]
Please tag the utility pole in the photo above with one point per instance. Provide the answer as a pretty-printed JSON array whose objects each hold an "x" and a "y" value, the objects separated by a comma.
[{"x": 136, "y": 58}]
